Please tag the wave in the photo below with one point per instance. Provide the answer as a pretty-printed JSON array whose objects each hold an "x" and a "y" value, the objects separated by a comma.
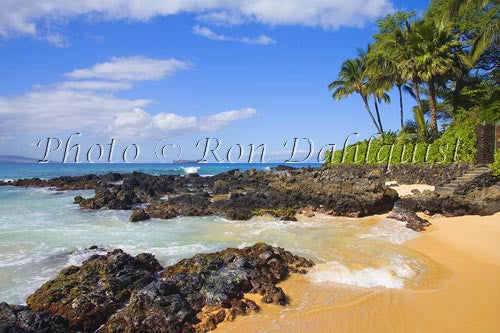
[
  {"x": 392, "y": 276},
  {"x": 188, "y": 170},
  {"x": 391, "y": 231},
  {"x": 80, "y": 254}
]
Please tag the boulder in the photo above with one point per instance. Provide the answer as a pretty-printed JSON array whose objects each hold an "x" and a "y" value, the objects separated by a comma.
[
  {"x": 405, "y": 210},
  {"x": 116, "y": 292},
  {"x": 88, "y": 295},
  {"x": 283, "y": 168},
  {"x": 20, "y": 319},
  {"x": 139, "y": 215},
  {"x": 231, "y": 273},
  {"x": 158, "y": 307}
]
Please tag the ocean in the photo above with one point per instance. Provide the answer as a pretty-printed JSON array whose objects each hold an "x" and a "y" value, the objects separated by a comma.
[
  {"x": 50, "y": 170},
  {"x": 43, "y": 231}
]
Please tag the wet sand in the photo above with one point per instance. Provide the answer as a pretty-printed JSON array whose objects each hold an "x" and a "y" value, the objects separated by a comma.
[{"x": 462, "y": 293}]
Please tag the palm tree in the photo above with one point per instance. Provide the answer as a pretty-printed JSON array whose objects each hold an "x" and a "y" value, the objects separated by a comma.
[
  {"x": 424, "y": 53},
  {"x": 403, "y": 86},
  {"x": 477, "y": 38},
  {"x": 384, "y": 65},
  {"x": 459, "y": 7},
  {"x": 377, "y": 87},
  {"x": 432, "y": 57},
  {"x": 401, "y": 46},
  {"x": 352, "y": 79}
]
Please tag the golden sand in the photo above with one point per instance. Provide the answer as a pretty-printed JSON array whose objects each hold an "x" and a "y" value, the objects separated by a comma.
[
  {"x": 406, "y": 190},
  {"x": 463, "y": 295}
]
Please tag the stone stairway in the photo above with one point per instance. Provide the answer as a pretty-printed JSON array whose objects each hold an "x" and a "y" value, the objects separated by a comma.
[{"x": 450, "y": 187}]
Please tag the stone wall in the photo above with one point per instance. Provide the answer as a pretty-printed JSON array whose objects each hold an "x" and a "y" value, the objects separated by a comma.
[
  {"x": 485, "y": 143},
  {"x": 498, "y": 136}
]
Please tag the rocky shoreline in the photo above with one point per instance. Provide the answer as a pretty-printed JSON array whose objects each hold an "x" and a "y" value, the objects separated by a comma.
[
  {"x": 344, "y": 190},
  {"x": 117, "y": 292}
]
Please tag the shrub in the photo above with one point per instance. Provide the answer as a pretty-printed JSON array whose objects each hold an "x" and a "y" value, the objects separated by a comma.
[
  {"x": 456, "y": 145},
  {"x": 495, "y": 166}
]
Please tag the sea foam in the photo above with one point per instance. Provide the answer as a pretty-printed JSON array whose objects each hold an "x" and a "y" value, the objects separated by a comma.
[
  {"x": 391, "y": 231},
  {"x": 188, "y": 170},
  {"x": 392, "y": 276}
]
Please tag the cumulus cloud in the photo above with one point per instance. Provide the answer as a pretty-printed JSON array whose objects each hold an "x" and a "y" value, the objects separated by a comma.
[
  {"x": 206, "y": 32},
  {"x": 57, "y": 109},
  {"x": 95, "y": 85},
  {"x": 89, "y": 104},
  {"x": 140, "y": 124},
  {"x": 221, "y": 18},
  {"x": 24, "y": 17},
  {"x": 130, "y": 69},
  {"x": 220, "y": 120}
]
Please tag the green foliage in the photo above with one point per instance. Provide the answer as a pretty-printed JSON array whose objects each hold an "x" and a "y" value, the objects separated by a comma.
[
  {"x": 495, "y": 166},
  {"x": 456, "y": 145},
  {"x": 466, "y": 134},
  {"x": 353, "y": 78},
  {"x": 447, "y": 60},
  {"x": 392, "y": 23}
]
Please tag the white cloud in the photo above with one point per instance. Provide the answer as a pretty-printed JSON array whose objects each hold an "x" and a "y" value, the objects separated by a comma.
[
  {"x": 171, "y": 122},
  {"x": 59, "y": 109},
  {"x": 206, "y": 32},
  {"x": 140, "y": 124},
  {"x": 221, "y": 18},
  {"x": 260, "y": 40},
  {"x": 95, "y": 85},
  {"x": 220, "y": 120},
  {"x": 24, "y": 17},
  {"x": 130, "y": 69},
  {"x": 91, "y": 106},
  {"x": 57, "y": 40}
]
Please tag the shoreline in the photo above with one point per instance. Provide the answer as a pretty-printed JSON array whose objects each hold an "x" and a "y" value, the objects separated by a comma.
[
  {"x": 463, "y": 296},
  {"x": 345, "y": 291}
]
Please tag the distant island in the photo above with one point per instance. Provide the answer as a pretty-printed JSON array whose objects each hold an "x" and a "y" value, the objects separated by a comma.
[{"x": 17, "y": 159}]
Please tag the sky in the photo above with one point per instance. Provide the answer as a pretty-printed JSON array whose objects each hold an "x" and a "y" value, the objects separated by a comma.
[{"x": 160, "y": 75}]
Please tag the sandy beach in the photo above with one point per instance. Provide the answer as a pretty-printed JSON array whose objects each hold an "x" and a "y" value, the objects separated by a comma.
[{"x": 461, "y": 294}]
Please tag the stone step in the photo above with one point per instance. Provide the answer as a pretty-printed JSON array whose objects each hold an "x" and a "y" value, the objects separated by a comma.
[
  {"x": 473, "y": 174},
  {"x": 454, "y": 186},
  {"x": 476, "y": 172},
  {"x": 450, "y": 187},
  {"x": 443, "y": 190},
  {"x": 461, "y": 180}
]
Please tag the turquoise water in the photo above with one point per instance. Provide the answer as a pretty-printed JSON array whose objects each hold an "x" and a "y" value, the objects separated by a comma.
[
  {"x": 42, "y": 231},
  {"x": 50, "y": 170}
]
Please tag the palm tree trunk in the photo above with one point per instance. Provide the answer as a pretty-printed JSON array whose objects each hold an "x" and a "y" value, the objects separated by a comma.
[
  {"x": 459, "y": 85},
  {"x": 378, "y": 114},
  {"x": 432, "y": 106},
  {"x": 401, "y": 115},
  {"x": 367, "y": 107},
  {"x": 417, "y": 95},
  {"x": 419, "y": 114}
]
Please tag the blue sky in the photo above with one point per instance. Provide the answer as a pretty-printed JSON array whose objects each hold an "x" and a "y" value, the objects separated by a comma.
[{"x": 249, "y": 72}]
